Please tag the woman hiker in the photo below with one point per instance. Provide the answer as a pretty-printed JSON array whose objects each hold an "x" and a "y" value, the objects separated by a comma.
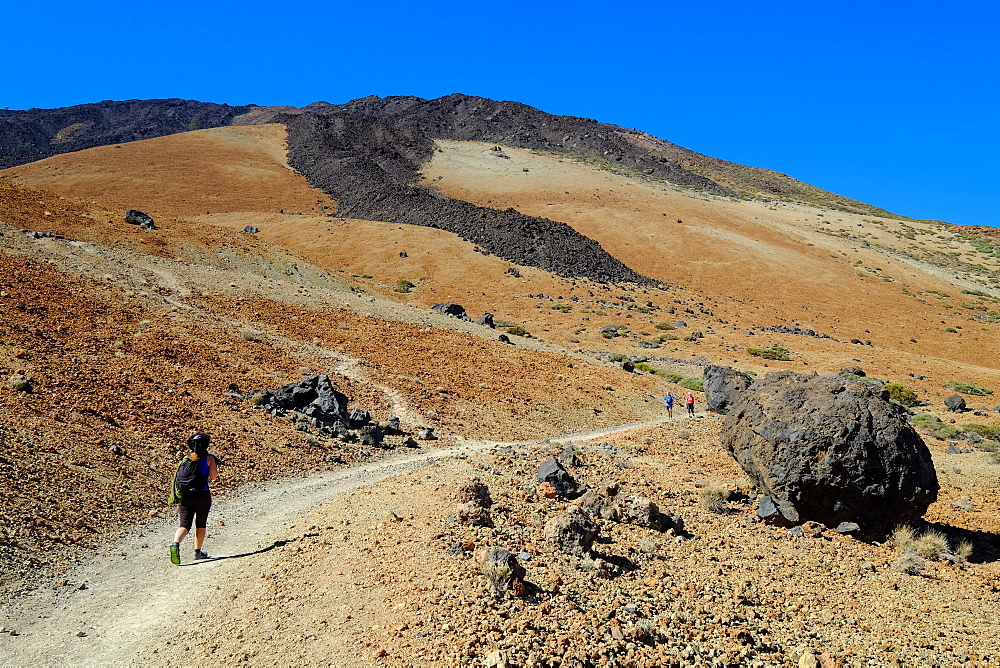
[
  {"x": 689, "y": 401},
  {"x": 194, "y": 505}
]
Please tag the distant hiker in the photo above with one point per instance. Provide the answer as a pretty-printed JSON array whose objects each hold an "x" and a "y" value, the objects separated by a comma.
[
  {"x": 689, "y": 402},
  {"x": 668, "y": 401},
  {"x": 191, "y": 481}
]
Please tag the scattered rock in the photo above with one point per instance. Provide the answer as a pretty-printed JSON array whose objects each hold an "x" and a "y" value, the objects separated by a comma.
[
  {"x": 474, "y": 491},
  {"x": 552, "y": 472},
  {"x": 485, "y": 319},
  {"x": 500, "y": 568},
  {"x": 250, "y": 229},
  {"x": 569, "y": 456},
  {"x": 426, "y": 434},
  {"x": 145, "y": 221},
  {"x": 19, "y": 382},
  {"x": 452, "y": 309},
  {"x": 955, "y": 403},
  {"x": 572, "y": 532}
]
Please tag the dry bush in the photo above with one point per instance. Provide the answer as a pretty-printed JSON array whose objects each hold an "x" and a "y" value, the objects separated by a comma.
[
  {"x": 909, "y": 563},
  {"x": 929, "y": 544},
  {"x": 713, "y": 498},
  {"x": 963, "y": 551},
  {"x": 19, "y": 383}
]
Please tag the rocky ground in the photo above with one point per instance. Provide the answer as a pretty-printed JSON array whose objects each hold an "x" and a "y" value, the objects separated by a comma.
[
  {"x": 387, "y": 576},
  {"x": 131, "y": 339}
]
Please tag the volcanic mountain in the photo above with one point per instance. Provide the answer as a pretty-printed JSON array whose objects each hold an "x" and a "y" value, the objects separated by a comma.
[{"x": 292, "y": 242}]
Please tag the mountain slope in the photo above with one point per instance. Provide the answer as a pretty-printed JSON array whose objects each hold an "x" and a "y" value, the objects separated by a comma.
[{"x": 26, "y": 136}]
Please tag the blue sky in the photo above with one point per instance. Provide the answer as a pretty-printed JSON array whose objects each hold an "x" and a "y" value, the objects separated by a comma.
[{"x": 892, "y": 103}]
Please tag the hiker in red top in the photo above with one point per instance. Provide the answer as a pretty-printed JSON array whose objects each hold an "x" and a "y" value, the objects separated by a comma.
[
  {"x": 689, "y": 402},
  {"x": 195, "y": 504}
]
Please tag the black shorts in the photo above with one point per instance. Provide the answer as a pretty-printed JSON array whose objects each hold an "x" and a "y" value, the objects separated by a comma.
[{"x": 195, "y": 506}]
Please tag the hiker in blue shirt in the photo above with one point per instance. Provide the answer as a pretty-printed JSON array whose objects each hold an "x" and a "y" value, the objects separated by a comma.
[
  {"x": 194, "y": 505},
  {"x": 668, "y": 401}
]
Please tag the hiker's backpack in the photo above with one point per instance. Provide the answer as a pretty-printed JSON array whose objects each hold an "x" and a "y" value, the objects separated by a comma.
[{"x": 189, "y": 478}]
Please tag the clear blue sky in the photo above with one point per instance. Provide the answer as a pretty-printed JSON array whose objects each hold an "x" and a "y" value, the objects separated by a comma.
[{"x": 892, "y": 103}]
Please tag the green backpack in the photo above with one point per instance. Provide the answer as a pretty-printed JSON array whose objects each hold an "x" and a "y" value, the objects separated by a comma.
[{"x": 175, "y": 496}]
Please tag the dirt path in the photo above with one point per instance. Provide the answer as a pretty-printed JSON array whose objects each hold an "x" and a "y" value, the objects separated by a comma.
[{"x": 127, "y": 596}]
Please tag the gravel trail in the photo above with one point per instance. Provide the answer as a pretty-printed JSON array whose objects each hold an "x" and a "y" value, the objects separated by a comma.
[{"x": 127, "y": 596}]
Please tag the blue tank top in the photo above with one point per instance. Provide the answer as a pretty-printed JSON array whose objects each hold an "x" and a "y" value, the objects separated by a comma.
[{"x": 203, "y": 470}]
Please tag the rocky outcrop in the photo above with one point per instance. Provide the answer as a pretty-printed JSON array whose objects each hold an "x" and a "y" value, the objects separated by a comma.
[
  {"x": 722, "y": 386},
  {"x": 314, "y": 396},
  {"x": 829, "y": 450},
  {"x": 452, "y": 309}
]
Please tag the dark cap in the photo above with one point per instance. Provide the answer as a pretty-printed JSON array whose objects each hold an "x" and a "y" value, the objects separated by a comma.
[{"x": 199, "y": 443}]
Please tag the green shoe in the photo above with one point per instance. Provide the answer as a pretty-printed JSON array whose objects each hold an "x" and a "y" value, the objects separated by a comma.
[{"x": 175, "y": 554}]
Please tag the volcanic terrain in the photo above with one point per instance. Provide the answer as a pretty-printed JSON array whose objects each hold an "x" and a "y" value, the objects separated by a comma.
[{"x": 293, "y": 242}]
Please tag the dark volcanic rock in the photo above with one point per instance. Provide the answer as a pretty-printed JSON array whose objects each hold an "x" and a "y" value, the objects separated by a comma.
[
  {"x": 144, "y": 220},
  {"x": 26, "y": 136},
  {"x": 552, "y": 472},
  {"x": 955, "y": 403},
  {"x": 485, "y": 319},
  {"x": 722, "y": 386},
  {"x": 452, "y": 309},
  {"x": 830, "y": 450},
  {"x": 314, "y": 396},
  {"x": 370, "y": 162}
]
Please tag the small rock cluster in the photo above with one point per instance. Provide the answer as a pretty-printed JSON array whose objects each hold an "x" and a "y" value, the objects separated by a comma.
[{"x": 316, "y": 407}]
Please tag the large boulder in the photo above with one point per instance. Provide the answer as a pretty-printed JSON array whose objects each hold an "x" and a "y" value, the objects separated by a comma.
[
  {"x": 573, "y": 532},
  {"x": 829, "y": 450},
  {"x": 722, "y": 386}
]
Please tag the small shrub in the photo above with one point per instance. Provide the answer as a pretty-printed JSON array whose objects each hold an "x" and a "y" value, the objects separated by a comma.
[
  {"x": 909, "y": 563},
  {"x": 987, "y": 431},
  {"x": 904, "y": 395},
  {"x": 618, "y": 357},
  {"x": 518, "y": 330},
  {"x": 968, "y": 388},
  {"x": 404, "y": 286},
  {"x": 929, "y": 544},
  {"x": 695, "y": 384},
  {"x": 645, "y": 368},
  {"x": 665, "y": 326},
  {"x": 713, "y": 498},
  {"x": 934, "y": 426},
  {"x": 669, "y": 375},
  {"x": 964, "y": 550},
  {"x": 366, "y": 275},
  {"x": 565, "y": 308},
  {"x": 773, "y": 353}
]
